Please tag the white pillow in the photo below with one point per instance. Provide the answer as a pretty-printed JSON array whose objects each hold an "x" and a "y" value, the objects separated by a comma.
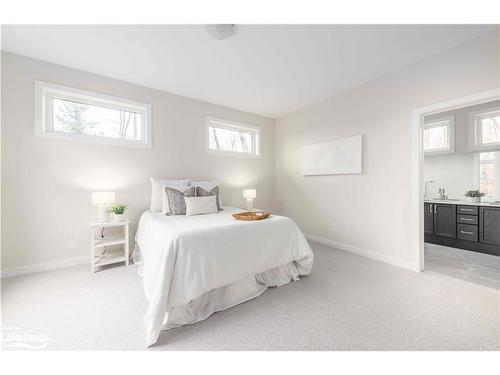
[
  {"x": 156, "y": 184},
  {"x": 201, "y": 205},
  {"x": 165, "y": 206},
  {"x": 204, "y": 183}
]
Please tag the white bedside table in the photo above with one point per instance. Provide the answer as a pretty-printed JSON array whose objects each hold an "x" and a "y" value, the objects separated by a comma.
[{"x": 99, "y": 245}]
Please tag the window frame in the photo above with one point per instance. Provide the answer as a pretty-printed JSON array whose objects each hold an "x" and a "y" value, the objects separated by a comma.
[
  {"x": 237, "y": 126},
  {"x": 495, "y": 164},
  {"x": 477, "y": 128},
  {"x": 45, "y": 92},
  {"x": 437, "y": 123}
]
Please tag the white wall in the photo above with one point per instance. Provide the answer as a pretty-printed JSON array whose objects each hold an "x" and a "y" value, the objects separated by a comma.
[
  {"x": 371, "y": 212},
  {"x": 46, "y": 183},
  {"x": 456, "y": 173}
]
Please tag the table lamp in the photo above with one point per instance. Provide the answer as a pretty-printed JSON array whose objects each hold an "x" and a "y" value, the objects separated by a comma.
[
  {"x": 102, "y": 199},
  {"x": 249, "y": 195}
]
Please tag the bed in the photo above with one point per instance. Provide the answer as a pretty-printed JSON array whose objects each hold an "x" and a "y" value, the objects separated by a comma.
[{"x": 193, "y": 266}]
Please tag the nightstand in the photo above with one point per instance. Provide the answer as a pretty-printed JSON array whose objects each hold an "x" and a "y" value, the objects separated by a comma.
[{"x": 108, "y": 249}]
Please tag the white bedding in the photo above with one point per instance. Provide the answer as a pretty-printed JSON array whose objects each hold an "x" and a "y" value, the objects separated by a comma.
[{"x": 193, "y": 266}]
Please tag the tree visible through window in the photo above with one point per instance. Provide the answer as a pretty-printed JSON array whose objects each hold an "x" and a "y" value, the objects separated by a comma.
[
  {"x": 80, "y": 118},
  {"x": 230, "y": 138},
  {"x": 78, "y": 115},
  {"x": 438, "y": 136},
  {"x": 488, "y": 128},
  {"x": 488, "y": 169}
]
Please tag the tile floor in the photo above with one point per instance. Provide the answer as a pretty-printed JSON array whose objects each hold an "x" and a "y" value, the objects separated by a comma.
[{"x": 478, "y": 268}]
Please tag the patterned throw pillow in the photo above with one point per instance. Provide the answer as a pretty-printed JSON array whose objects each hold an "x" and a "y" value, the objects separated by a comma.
[
  {"x": 200, "y": 192},
  {"x": 176, "y": 203}
]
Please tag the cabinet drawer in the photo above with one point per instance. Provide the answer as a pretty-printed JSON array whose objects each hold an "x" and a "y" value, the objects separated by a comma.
[
  {"x": 467, "y": 232},
  {"x": 468, "y": 210},
  {"x": 467, "y": 219}
]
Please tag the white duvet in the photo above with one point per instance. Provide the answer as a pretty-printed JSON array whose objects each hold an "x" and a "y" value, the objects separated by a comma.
[{"x": 193, "y": 266}]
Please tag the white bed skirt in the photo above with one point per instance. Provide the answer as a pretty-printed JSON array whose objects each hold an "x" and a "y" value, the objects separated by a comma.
[{"x": 227, "y": 296}]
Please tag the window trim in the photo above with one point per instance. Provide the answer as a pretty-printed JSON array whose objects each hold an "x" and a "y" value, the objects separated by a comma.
[
  {"x": 44, "y": 121},
  {"x": 232, "y": 125},
  {"x": 477, "y": 130},
  {"x": 451, "y": 135}
]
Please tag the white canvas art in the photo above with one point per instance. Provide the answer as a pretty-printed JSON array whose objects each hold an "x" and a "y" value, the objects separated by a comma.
[{"x": 339, "y": 156}]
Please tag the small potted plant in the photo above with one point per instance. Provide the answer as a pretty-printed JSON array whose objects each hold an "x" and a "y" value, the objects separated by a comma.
[
  {"x": 119, "y": 212},
  {"x": 473, "y": 196}
]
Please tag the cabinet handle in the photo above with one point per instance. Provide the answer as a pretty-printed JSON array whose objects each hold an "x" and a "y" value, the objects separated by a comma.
[
  {"x": 465, "y": 232},
  {"x": 430, "y": 208},
  {"x": 435, "y": 209},
  {"x": 465, "y": 219},
  {"x": 466, "y": 209}
]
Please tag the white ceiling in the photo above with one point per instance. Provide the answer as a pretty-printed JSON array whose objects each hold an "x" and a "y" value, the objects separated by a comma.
[{"x": 265, "y": 69}]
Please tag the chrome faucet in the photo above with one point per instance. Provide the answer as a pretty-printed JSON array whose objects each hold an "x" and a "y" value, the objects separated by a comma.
[{"x": 442, "y": 194}]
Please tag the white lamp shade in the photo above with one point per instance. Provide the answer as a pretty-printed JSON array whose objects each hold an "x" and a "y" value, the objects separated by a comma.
[
  {"x": 103, "y": 197},
  {"x": 249, "y": 193}
]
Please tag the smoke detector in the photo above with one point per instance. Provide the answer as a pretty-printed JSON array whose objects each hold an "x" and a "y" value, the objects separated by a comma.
[{"x": 221, "y": 32}]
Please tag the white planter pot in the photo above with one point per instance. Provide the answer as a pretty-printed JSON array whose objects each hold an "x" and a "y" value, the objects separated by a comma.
[
  {"x": 473, "y": 199},
  {"x": 120, "y": 217}
]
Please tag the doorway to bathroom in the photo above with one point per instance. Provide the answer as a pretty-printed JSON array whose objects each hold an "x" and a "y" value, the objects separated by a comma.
[{"x": 457, "y": 190}]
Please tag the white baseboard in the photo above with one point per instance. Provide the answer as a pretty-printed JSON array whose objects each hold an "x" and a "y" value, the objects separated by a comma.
[
  {"x": 47, "y": 266},
  {"x": 360, "y": 251},
  {"x": 70, "y": 262}
]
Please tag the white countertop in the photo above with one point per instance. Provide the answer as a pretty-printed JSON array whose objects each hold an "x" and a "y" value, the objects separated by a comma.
[{"x": 460, "y": 202}]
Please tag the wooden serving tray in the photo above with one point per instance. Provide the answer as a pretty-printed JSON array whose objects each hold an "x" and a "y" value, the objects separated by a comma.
[{"x": 252, "y": 216}]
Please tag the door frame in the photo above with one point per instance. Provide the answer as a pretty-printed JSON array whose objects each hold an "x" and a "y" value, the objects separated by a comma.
[{"x": 417, "y": 157}]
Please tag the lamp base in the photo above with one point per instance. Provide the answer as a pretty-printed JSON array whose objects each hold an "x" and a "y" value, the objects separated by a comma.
[
  {"x": 249, "y": 204},
  {"x": 103, "y": 213}
]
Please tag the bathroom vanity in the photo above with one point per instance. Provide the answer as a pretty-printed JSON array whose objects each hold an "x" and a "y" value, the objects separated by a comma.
[{"x": 469, "y": 226}]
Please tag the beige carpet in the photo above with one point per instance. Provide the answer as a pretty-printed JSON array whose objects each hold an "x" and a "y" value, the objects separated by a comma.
[{"x": 348, "y": 303}]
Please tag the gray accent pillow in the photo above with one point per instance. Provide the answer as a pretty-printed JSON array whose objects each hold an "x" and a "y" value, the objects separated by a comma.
[
  {"x": 176, "y": 203},
  {"x": 200, "y": 192}
]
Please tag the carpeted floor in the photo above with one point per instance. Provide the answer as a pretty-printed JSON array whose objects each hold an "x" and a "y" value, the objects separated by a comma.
[{"x": 348, "y": 303}]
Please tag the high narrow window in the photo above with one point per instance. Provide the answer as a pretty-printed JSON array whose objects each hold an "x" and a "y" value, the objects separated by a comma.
[
  {"x": 487, "y": 125},
  {"x": 68, "y": 113},
  {"x": 439, "y": 136},
  {"x": 231, "y": 138},
  {"x": 489, "y": 173}
]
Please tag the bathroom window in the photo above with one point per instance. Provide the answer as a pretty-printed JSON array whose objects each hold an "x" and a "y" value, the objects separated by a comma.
[
  {"x": 73, "y": 114},
  {"x": 439, "y": 136},
  {"x": 488, "y": 173},
  {"x": 487, "y": 124},
  {"x": 231, "y": 138}
]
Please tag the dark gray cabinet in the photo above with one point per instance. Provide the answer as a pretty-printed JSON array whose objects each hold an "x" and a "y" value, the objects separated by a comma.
[
  {"x": 467, "y": 219},
  {"x": 468, "y": 210},
  {"x": 469, "y": 227},
  {"x": 428, "y": 218},
  {"x": 445, "y": 223},
  {"x": 489, "y": 224},
  {"x": 467, "y": 232}
]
